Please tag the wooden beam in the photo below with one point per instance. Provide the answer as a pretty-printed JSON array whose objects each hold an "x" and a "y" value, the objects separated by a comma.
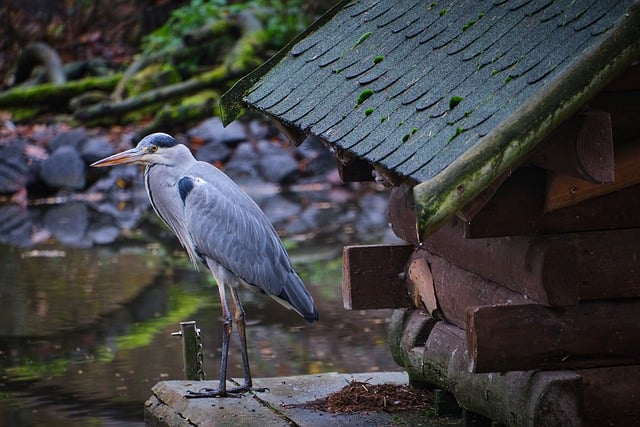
[
  {"x": 542, "y": 268},
  {"x": 448, "y": 291},
  {"x": 563, "y": 191},
  {"x": 611, "y": 395},
  {"x": 582, "y": 147},
  {"x": 373, "y": 276},
  {"x": 523, "y": 337}
]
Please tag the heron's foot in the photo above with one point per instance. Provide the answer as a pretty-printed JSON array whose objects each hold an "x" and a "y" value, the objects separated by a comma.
[
  {"x": 248, "y": 388},
  {"x": 224, "y": 392},
  {"x": 211, "y": 392}
]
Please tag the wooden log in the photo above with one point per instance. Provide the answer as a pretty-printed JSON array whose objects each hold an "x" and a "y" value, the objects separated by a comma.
[
  {"x": 582, "y": 147},
  {"x": 608, "y": 264},
  {"x": 521, "y": 337},
  {"x": 402, "y": 213},
  {"x": 517, "y": 209},
  {"x": 614, "y": 210},
  {"x": 373, "y": 277},
  {"x": 611, "y": 395},
  {"x": 563, "y": 190},
  {"x": 543, "y": 268},
  {"x": 456, "y": 290},
  {"x": 530, "y": 398},
  {"x": 512, "y": 210},
  {"x": 420, "y": 285},
  {"x": 408, "y": 332}
]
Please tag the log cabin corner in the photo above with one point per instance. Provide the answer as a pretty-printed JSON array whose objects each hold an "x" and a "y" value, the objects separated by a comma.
[{"x": 509, "y": 134}]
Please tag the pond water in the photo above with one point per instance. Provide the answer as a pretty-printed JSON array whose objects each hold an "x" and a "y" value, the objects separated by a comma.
[{"x": 86, "y": 332}]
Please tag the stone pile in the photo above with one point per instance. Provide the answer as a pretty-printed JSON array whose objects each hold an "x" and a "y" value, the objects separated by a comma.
[{"x": 49, "y": 190}]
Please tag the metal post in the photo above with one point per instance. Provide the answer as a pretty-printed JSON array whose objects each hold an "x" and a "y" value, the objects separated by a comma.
[{"x": 191, "y": 350}]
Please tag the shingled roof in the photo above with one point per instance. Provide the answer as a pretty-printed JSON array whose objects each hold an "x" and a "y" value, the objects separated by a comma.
[{"x": 449, "y": 94}]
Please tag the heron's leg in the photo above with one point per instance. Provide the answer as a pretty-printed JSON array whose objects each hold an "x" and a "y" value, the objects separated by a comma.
[
  {"x": 239, "y": 317},
  {"x": 227, "y": 326}
]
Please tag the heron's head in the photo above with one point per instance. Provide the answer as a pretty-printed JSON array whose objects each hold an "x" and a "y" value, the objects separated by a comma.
[{"x": 157, "y": 148}]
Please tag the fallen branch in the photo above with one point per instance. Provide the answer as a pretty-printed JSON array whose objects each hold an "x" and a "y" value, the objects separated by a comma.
[
  {"x": 213, "y": 78},
  {"x": 39, "y": 54}
]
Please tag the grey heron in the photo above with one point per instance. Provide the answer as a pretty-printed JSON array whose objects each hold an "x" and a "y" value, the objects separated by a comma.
[{"x": 221, "y": 226}]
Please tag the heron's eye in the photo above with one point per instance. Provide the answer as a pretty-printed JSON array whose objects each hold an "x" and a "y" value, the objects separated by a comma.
[{"x": 153, "y": 148}]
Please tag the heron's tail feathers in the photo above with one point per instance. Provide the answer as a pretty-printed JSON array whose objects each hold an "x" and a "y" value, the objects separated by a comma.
[{"x": 295, "y": 296}]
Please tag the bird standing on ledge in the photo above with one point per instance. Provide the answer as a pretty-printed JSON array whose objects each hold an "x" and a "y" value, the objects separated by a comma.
[{"x": 221, "y": 226}]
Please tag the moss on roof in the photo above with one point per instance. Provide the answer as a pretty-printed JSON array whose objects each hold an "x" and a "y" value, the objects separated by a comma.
[{"x": 476, "y": 87}]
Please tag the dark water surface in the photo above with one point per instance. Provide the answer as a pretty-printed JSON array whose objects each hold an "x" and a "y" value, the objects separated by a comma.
[{"x": 85, "y": 333}]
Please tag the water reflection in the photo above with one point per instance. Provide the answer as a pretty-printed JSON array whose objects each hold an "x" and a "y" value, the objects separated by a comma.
[{"x": 85, "y": 333}]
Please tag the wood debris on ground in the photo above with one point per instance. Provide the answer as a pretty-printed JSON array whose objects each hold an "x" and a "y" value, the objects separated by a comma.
[{"x": 359, "y": 396}]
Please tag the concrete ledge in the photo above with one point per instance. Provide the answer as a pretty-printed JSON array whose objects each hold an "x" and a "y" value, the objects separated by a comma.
[{"x": 167, "y": 407}]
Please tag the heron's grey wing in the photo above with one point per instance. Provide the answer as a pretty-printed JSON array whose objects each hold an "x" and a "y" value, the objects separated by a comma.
[{"x": 228, "y": 227}]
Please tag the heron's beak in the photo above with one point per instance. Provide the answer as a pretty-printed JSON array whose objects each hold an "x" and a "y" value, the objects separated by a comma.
[{"x": 134, "y": 155}]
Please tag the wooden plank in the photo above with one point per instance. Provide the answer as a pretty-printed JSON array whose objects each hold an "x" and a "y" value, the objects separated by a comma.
[
  {"x": 543, "y": 268},
  {"x": 373, "y": 276},
  {"x": 456, "y": 290},
  {"x": 611, "y": 395},
  {"x": 563, "y": 191},
  {"x": 522, "y": 337},
  {"x": 525, "y": 398},
  {"x": 582, "y": 147}
]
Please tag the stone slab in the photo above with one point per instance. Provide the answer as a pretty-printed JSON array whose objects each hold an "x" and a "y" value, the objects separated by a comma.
[{"x": 280, "y": 406}]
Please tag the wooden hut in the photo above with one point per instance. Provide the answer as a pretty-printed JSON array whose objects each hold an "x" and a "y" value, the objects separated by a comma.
[{"x": 509, "y": 133}]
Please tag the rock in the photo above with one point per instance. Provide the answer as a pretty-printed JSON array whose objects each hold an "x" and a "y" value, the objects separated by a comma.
[
  {"x": 13, "y": 166},
  {"x": 242, "y": 165},
  {"x": 373, "y": 214},
  {"x": 263, "y": 129},
  {"x": 276, "y": 164},
  {"x": 213, "y": 130},
  {"x": 68, "y": 223},
  {"x": 279, "y": 209},
  {"x": 320, "y": 161},
  {"x": 213, "y": 151},
  {"x": 103, "y": 230},
  {"x": 64, "y": 169},
  {"x": 74, "y": 138},
  {"x": 16, "y": 225},
  {"x": 96, "y": 148}
]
